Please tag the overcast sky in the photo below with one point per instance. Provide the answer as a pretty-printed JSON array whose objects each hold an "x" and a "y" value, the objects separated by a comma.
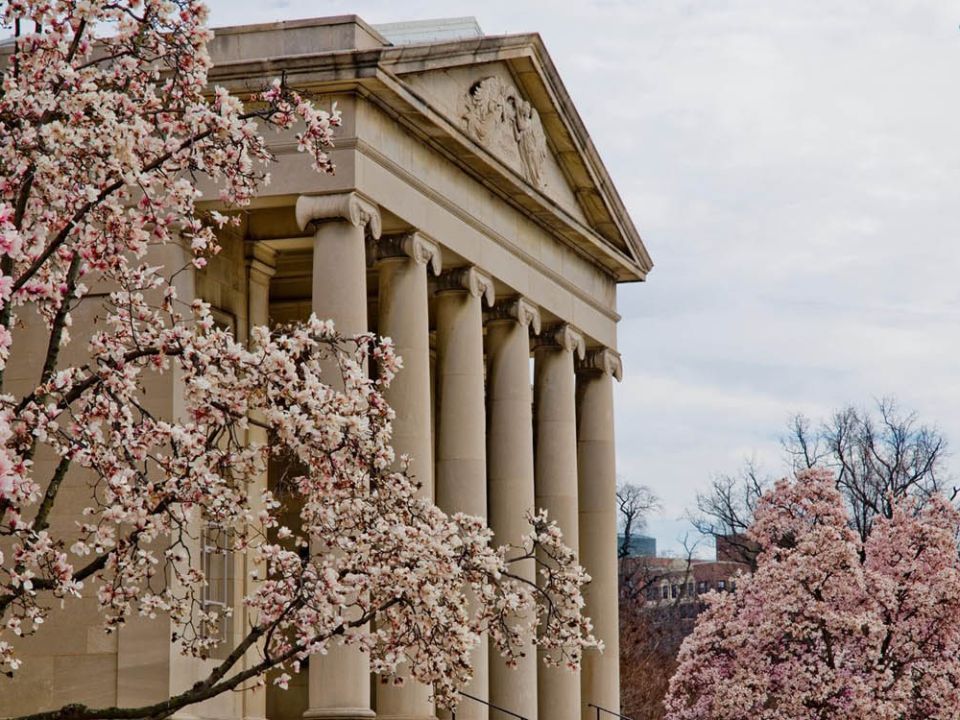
[{"x": 794, "y": 170}]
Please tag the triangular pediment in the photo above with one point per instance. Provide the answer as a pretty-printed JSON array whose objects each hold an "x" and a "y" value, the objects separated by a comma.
[
  {"x": 504, "y": 98},
  {"x": 494, "y": 105},
  {"x": 486, "y": 103}
]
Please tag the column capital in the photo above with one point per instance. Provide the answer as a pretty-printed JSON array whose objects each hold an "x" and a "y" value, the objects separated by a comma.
[
  {"x": 519, "y": 309},
  {"x": 602, "y": 360},
  {"x": 468, "y": 279},
  {"x": 411, "y": 245},
  {"x": 343, "y": 206},
  {"x": 564, "y": 336},
  {"x": 260, "y": 261}
]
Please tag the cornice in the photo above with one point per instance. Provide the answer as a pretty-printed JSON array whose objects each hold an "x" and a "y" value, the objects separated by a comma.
[
  {"x": 547, "y": 207},
  {"x": 375, "y": 74},
  {"x": 480, "y": 226}
]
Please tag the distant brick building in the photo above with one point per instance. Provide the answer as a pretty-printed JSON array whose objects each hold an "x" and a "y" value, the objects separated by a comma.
[
  {"x": 660, "y": 599},
  {"x": 672, "y": 588},
  {"x": 665, "y": 581}
]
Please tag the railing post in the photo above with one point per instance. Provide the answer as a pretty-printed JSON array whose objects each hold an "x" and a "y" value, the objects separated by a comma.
[
  {"x": 490, "y": 705},
  {"x": 608, "y": 712}
]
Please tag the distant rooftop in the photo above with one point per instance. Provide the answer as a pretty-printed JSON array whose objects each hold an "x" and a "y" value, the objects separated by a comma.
[{"x": 417, "y": 32}]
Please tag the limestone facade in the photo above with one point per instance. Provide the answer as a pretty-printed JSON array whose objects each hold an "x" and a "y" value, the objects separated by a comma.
[{"x": 471, "y": 220}]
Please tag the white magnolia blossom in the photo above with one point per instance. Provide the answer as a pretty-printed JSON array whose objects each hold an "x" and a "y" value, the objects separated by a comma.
[{"x": 103, "y": 138}]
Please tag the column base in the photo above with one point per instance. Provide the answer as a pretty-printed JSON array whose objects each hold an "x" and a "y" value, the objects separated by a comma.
[{"x": 339, "y": 713}]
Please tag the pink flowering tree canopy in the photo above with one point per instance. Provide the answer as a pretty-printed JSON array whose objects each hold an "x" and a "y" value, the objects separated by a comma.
[
  {"x": 108, "y": 125},
  {"x": 829, "y": 625}
]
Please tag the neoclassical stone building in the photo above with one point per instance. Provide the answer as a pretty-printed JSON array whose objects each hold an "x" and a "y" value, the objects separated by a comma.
[{"x": 471, "y": 220}]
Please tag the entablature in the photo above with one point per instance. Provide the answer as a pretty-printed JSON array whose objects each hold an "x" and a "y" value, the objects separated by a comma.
[{"x": 518, "y": 87}]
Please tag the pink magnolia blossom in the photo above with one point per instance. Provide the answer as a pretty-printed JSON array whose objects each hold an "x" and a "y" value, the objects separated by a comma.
[
  {"x": 830, "y": 626},
  {"x": 102, "y": 137}
]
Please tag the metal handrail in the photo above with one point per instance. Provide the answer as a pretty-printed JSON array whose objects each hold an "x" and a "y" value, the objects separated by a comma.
[
  {"x": 608, "y": 712},
  {"x": 512, "y": 714}
]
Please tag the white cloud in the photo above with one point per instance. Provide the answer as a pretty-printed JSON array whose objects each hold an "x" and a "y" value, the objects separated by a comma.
[{"x": 795, "y": 170}]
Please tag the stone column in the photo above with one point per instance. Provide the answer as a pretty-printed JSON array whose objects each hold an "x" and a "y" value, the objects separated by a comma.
[
  {"x": 339, "y": 255},
  {"x": 260, "y": 266},
  {"x": 558, "y": 689},
  {"x": 339, "y": 682},
  {"x": 403, "y": 316},
  {"x": 596, "y": 463},
  {"x": 461, "y": 453},
  {"x": 510, "y": 473}
]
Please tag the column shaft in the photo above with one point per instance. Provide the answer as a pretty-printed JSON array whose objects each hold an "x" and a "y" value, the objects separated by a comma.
[
  {"x": 339, "y": 682},
  {"x": 558, "y": 689},
  {"x": 403, "y": 317},
  {"x": 340, "y": 276},
  {"x": 461, "y": 453},
  {"x": 260, "y": 266},
  {"x": 596, "y": 462},
  {"x": 510, "y": 477}
]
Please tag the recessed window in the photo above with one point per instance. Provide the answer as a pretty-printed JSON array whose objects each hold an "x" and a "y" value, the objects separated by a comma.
[{"x": 217, "y": 596}]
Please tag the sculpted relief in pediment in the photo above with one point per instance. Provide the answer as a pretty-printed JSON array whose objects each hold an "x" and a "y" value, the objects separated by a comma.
[{"x": 498, "y": 117}]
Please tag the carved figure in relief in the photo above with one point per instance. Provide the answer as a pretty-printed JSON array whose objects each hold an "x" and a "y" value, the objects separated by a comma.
[
  {"x": 484, "y": 107},
  {"x": 531, "y": 141},
  {"x": 494, "y": 108}
]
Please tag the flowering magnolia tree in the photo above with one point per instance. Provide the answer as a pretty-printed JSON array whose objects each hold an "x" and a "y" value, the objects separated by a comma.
[
  {"x": 829, "y": 625},
  {"x": 104, "y": 139}
]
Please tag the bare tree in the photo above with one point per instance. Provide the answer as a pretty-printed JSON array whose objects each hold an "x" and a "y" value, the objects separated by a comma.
[
  {"x": 725, "y": 511},
  {"x": 634, "y": 503},
  {"x": 646, "y": 665},
  {"x": 651, "y": 633},
  {"x": 877, "y": 456}
]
